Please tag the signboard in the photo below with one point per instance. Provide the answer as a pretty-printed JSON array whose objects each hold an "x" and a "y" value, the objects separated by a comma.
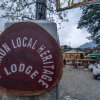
[
  {"x": 68, "y": 4},
  {"x": 30, "y": 60}
]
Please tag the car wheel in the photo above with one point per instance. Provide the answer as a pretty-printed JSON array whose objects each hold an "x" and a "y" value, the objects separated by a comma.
[{"x": 95, "y": 77}]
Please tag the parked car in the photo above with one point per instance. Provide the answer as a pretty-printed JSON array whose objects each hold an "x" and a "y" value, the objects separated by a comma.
[
  {"x": 90, "y": 66},
  {"x": 96, "y": 69}
]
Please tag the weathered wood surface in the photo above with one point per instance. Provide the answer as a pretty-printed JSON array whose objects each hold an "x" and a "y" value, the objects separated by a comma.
[
  {"x": 52, "y": 95},
  {"x": 32, "y": 63}
]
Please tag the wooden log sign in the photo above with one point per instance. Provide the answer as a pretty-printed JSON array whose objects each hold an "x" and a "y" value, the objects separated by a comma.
[{"x": 30, "y": 60}]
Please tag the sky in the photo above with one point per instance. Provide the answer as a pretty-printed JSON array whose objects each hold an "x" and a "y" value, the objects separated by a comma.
[{"x": 70, "y": 35}]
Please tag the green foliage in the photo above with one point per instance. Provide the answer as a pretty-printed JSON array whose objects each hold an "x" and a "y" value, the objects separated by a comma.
[{"x": 90, "y": 20}]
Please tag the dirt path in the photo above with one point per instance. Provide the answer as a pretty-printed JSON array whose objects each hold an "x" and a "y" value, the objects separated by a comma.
[{"x": 78, "y": 84}]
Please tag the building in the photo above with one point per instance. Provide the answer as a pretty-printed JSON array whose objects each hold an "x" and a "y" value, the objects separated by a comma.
[{"x": 74, "y": 54}]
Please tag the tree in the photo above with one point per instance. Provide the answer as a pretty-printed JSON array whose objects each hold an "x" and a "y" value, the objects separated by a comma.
[
  {"x": 90, "y": 20},
  {"x": 20, "y": 10}
]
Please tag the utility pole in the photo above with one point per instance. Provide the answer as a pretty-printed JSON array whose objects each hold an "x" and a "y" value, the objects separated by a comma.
[{"x": 41, "y": 9}]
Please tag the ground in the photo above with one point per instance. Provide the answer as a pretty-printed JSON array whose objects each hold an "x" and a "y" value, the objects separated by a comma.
[{"x": 78, "y": 84}]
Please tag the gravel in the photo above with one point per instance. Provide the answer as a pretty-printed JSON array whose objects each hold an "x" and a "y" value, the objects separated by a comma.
[{"x": 78, "y": 84}]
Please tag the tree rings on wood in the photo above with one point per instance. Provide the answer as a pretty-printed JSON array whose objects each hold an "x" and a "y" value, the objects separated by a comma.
[{"x": 30, "y": 60}]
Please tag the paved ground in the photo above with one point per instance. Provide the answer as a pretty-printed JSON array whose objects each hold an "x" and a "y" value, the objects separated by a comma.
[{"x": 78, "y": 84}]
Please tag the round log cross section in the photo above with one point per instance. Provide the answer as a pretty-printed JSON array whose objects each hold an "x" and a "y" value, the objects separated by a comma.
[{"x": 30, "y": 60}]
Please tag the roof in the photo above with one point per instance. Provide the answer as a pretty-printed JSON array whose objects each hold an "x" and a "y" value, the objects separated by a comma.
[
  {"x": 89, "y": 56},
  {"x": 96, "y": 54},
  {"x": 74, "y": 51}
]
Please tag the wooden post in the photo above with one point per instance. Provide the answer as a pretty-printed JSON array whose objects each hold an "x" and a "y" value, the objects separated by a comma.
[
  {"x": 52, "y": 95},
  {"x": 41, "y": 9}
]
